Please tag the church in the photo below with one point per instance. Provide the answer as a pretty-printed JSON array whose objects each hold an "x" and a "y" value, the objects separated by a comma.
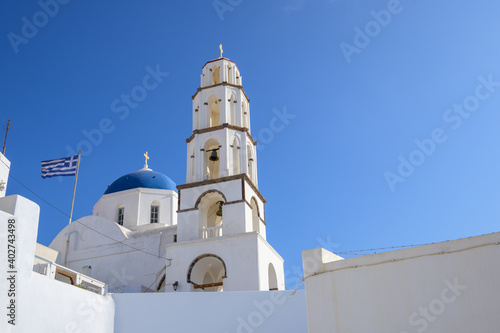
[
  {"x": 194, "y": 257},
  {"x": 146, "y": 234}
]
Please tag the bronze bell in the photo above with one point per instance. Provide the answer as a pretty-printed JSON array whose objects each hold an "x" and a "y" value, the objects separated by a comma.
[
  {"x": 219, "y": 211},
  {"x": 213, "y": 157}
]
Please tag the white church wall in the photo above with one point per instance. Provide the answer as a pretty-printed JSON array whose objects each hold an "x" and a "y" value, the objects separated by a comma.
[
  {"x": 231, "y": 190},
  {"x": 444, "y": 287},
  {"x": 239, "y": 253},
  {"x": 108, "y": 205},
  {"x": 168, "y": 206},
  {"x": 268, "y": 255},
  {"x": 137, "y": 204},
  {"x": 232, "y": 218},
  {"x": 240, "y": 312},
  {"x": 127, "y": 261}
]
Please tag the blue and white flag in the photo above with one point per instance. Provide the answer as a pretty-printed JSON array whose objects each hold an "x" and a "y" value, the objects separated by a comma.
[{"x": 60, "y": 167}]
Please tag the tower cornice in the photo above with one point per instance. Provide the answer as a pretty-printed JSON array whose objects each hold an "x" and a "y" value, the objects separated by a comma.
[
  {"x": 222, "y": 84},
  {"x": 243, "y": 176},
  {"x": 219, "y": 127}
]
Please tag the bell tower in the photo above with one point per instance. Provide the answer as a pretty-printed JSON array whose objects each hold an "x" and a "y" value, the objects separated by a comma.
[
  {"x": 221, "y": 218},
  {"x": 221, "y": 144}
]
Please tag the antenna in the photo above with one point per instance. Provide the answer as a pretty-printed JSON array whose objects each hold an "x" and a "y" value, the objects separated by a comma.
[{"x": 5, "y": 140}]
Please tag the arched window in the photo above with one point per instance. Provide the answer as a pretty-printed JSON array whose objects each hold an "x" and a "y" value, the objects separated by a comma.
[
  {"x": 230, "y": 74},
  {"x": 192, "y": 165},
  {"x": 251, "y": 163},
  {"x": 211, "y": 166},
  {"x": 255, "y": 216},
  {"x": 245, "y": 115},
  {"x": 196, "y": 115},
  {"x": 213, "y": 111},
  {"x": 215, "y": 75},
  {"x": 210, "y": 205},
  {"x": 155, "y": 212},
  {"x": 235, "y": 151},
  {"x": 232, "y": 110},
  {"x": 273, "y": 280}
]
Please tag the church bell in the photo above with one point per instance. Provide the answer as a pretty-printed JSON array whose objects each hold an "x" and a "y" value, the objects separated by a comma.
[
  {"x": 219, "y": 211},
  {"x": 213, "y": 157}
]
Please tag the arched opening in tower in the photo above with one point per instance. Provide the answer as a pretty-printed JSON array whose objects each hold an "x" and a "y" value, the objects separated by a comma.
[
  {"x": 213, "y": 111},
  {"x": 207, "y": 272},
  {"x": 211, "y": 166}
]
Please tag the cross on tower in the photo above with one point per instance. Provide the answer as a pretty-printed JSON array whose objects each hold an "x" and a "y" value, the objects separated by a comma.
[{"x": 220, "y": 47}]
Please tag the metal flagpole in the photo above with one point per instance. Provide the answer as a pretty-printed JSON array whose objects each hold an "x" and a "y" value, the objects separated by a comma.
[{"x": 74, "y": 189}]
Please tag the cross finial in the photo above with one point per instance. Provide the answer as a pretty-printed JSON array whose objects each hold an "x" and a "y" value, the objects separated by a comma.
[
  {"x": 146, "y": 157},
  {"x": 220, "y": 47}
]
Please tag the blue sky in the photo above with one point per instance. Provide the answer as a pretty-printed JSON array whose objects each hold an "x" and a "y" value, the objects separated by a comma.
[{"x": 407, "y": 91}]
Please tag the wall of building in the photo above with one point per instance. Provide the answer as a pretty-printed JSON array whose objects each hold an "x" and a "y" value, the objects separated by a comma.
[
  {"x": 240, "y": 312},
  {"x": 444, "y": 287},
  {"x": 40, "y": 304},
  {"x": 128, "y": 261},
  {"x": 137, "y": 203}
]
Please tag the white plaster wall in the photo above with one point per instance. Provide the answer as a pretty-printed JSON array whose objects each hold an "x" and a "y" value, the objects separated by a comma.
[
  {"x": 444, "y": 287},
  {"x": 246, "y": 256},
  {"x": 226, "y": 312},
  {"x": 128, "y": 261},
  {"x": 239, "y": 253},
  {"x": 42, "y": 304},
  {"x": 268, "y": 255},
  {"x": 137, "y": 203},
  {"x": 231, "y": 189},
  {"x": 4, "y": 173},
  {"x": 48, "y": 305}
]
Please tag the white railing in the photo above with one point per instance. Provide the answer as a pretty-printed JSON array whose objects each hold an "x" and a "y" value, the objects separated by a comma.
[
  {"x": 64, "y": 274},
  {"x": 211, "y": 232}
]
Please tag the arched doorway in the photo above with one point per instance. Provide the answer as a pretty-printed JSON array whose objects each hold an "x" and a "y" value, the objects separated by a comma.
[
  {"x": 273, "y": 280},
  {"x": 206, "y": 273}
]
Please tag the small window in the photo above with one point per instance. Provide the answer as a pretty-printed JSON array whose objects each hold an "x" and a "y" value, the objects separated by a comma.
[
  {"x": 121, "y": 215},
  {"x": 155, "y": 210}
]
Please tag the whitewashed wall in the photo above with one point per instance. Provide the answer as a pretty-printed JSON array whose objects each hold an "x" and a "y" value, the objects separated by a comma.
[
  {"x": 445, "y": 287},
  {"x": 240, "y": 312},
  {"x": 42, "y": 304}
]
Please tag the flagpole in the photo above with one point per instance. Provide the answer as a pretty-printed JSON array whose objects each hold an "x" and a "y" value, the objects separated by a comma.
[{"x": 74, "y": 188}]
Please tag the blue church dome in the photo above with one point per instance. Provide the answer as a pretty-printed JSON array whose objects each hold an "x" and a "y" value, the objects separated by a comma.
[{"x": 143, "y": 178}]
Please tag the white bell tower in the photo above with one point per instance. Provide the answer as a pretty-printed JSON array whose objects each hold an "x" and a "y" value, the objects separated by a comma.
[
  {"x": 221, "y": 218},
  {"x": 221, "y": 123}
]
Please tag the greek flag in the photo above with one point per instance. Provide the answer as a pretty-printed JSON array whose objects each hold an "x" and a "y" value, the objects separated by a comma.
[{"x": 60, "y": 167}]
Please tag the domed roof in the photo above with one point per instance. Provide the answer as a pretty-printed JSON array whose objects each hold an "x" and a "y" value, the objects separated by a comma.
[{"x": 143, "y": 178}]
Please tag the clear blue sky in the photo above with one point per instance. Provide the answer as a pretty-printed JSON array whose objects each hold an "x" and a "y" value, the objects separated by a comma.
[{"x": 360, "y": 100}]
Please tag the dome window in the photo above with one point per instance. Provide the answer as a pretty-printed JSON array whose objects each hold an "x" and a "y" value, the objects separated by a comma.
[
  {"x": 121, "y": 215},
  {"x": 155, "y": 213}
]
